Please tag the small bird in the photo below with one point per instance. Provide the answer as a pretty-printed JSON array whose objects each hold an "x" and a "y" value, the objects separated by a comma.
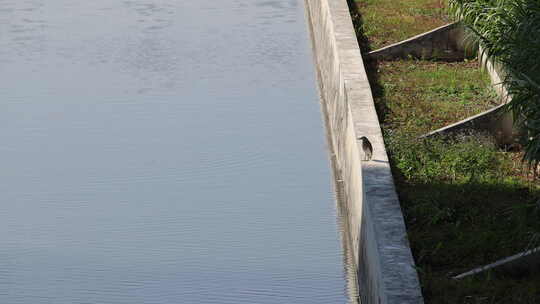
[{"x": 367, "y": 147}]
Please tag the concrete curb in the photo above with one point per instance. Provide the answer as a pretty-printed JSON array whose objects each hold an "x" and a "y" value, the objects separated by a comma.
[
  {"x": 442, "y": 43},
  {"x": 495, "y": 74},
  {"x": 376, "y": 230},
  {"x": 485, "y": 121}
]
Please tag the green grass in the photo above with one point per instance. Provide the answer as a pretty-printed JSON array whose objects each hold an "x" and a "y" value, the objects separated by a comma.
[
  {"x": 466, "y": 202},
  {"x": 465, "y": 205},
  {"x": 420, "y": 96},
  {"x": 509, "y": 31},
  {"x": 388, "y": 21}
]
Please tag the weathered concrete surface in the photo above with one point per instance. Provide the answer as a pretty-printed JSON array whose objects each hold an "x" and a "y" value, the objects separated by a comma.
[
  {"x": 386, "y": 271},
  {"x": 505, "y": 131},
  {"x": 442, "y": 43},
  {"x": 488, "y": 121},
  {"x": 495, "y": 74}
]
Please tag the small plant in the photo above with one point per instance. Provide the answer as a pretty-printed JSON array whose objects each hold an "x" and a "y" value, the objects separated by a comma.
[{"x": 459, "y": 160}]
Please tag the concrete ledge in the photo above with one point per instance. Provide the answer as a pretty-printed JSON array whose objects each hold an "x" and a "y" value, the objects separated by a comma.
[
  {"x": 488, "y": 121},
  {"x": 495, "y": 74},
  {"x": 376, "y": 230},
  {"x": 442, "y": 43},
  {"x": 507, "y": 133}
]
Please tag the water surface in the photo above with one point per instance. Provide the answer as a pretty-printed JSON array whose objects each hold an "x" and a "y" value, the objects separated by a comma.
[{"x": 161, "y": 151}]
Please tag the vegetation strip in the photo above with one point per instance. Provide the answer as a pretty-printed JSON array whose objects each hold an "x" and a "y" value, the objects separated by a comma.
[
  {"x": 509, "y": 32},
  {"x": 466, "y": 202}
]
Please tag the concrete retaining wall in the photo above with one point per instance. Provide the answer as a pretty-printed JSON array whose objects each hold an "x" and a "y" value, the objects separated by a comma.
[
  {"x": 488, "y": 121},
  {"x": 505, "y": 132},
  {"x": 442, "y": 43},
  {"x": 496, "y": 75},
  {"x": 377, "y": 235}
]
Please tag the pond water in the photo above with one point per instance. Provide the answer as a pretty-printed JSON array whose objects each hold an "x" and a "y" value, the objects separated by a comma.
[{"x": 160, "y": 151}]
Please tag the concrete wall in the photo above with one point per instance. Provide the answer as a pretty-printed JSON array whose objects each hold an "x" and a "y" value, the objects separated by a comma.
[
  {"x": 377, "y": 235},
  {"x": 488, "y": 121},
  {"x": 495, "y": 74},
  {"x": 442, "y": 43},
  {"x": 505, "y": 132}
]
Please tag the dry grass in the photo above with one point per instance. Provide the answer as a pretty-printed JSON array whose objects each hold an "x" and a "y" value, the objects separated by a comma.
[{"x": 389, "y": 21}]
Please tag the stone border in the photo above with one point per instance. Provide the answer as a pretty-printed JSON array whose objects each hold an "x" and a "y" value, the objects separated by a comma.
[
  {"x": 376, "y": 230},
  {"x": 442, "y": 43}
]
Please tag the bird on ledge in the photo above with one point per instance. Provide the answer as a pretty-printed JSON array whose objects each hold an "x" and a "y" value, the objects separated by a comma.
[{"x": 367, "y": 147}]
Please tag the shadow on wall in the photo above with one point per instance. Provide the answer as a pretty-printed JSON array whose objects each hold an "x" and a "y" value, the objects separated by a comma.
[
  {"x": 371, "y": 66},
  {"x": 358, "y": 24},
  {"x": 349, "y": 262}
]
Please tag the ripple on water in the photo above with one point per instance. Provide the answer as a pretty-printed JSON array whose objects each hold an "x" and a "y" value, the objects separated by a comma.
[{"x": 160, "y": 151}]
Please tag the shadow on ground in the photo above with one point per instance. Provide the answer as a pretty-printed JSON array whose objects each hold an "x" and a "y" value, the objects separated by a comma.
[{"x": 371, "y": 66}]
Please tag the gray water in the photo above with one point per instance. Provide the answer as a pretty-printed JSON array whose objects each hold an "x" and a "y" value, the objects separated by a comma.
[{"x": 161, "y": 151}]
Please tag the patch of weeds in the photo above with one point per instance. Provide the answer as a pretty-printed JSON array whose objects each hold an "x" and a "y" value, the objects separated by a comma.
[
  {"x": 421, "y": 96},
  {"x": 463, "y": 208},
  {"x": 389, "y": 21},
  {"x": 462, "y": 160}
]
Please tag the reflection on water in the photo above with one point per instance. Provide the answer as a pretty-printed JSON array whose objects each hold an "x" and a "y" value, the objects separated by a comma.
[{"x": 158, "y": 151}]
